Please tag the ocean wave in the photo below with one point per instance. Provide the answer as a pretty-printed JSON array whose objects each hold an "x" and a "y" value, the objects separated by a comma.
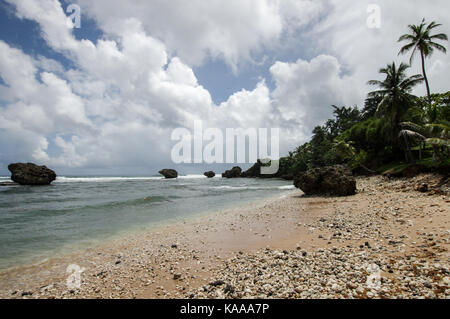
[
  {"x": 286, "y": 187},
  {"x": 231, "y": 188},
  {"x": 64, "y": 179}
]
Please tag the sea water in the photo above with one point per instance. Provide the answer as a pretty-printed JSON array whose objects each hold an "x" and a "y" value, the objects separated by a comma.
[{"x": 38, "y": 222}]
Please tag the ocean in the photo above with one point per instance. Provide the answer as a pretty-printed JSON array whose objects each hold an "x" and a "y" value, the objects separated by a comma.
[{"x": 38, "y": 222}]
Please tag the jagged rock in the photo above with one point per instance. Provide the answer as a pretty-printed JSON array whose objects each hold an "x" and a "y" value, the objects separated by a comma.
[
  {"x": 233, "y": 173},
  {"x": 210, "y": 174},
  {"x": 168, "y": 173},
  {"x": 413, "y": 170},
  {"x": 330, "y": 180},
  {"x": 423, "y": 188},
  {"x": 31, "y": 174},
  {"x": 255, "y": 171},
  {"x": 408, "y": 171}
]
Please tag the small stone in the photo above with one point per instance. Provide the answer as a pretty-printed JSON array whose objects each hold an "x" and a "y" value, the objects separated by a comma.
[{"x": 176, "y": 276}]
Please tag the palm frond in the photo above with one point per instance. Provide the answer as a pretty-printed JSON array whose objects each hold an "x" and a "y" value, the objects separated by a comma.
[
  {"x": 432, "y": 25},
  {"x": 413, "y": 126},
  {"x": 412, "y": 134},
  {"x": 438, "y": 142},
  {"x": 440, "y": 36},
  {"x": 439, "y": 47},
  {"x": 438, "y": 125}
]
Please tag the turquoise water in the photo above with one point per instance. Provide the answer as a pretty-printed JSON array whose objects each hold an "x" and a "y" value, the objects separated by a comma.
[{"x": 37, "y": 222}]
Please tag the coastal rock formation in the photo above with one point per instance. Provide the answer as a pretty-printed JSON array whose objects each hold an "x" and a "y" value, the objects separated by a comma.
[
  {"x": 331, "y": 180},
  {"x": 31, "y": 174},
  {"x": 233, "y": 173},
  {"x": 168, "y": 173},
  {"x": 210, "y": 174},
  {"x": 407, "y": 171},
  {"x": 254, "y": 171}
]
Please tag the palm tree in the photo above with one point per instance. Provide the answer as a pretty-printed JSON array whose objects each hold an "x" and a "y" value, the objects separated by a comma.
[
  {"x": 436, "y": 134},
  {"x": 420, "y": 39},
  {"x": 395, "y": 95},
  {"x": 348, "y": 152}
]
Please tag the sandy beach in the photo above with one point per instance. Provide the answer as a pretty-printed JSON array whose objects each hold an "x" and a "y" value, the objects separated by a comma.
[{"x": 387, "y": 241}]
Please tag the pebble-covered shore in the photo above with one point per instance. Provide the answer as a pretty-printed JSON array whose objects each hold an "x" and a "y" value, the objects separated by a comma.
[
  {"x": 379, "y": 252},
  {"x": 391, "y": 240}
]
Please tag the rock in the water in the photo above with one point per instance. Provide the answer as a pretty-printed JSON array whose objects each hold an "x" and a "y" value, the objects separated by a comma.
[
  {"x": 168, "y": 173},
  {"x": 330, "y": 180},
  {"x": 31, "y": 174},
  {"x": 233, "y": 173},
  {"x": 255, "y": 171},
  {"x": 210, "y": 174}
]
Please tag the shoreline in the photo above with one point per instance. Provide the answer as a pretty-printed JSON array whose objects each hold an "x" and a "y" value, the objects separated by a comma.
[
  {"x": 182, "y": 260},
  {"x": 136, "y": 230}
]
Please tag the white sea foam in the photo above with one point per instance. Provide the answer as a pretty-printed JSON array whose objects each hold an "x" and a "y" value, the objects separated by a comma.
[
  {"x": 68, "y": 179},
  {"x": 226, "y": 187},
  {"x": 64, "y": 179},
  {"x": 286, "y": 187}
]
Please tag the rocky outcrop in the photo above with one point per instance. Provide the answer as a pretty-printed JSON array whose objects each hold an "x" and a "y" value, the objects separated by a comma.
[
  {"x": 168, "y": 173},
  {"x": 31, "y": 174},
  {"x": 331, "y": 180},
  {"x": 405, "y": 171},
  {"x": 210, "y": 174},
  {"x": 233, "y": 173},
  {"x": 254, "y": 171}
]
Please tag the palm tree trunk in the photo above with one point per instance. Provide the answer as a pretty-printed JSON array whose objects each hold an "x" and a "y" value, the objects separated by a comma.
[{"x": 425, "y": 77}]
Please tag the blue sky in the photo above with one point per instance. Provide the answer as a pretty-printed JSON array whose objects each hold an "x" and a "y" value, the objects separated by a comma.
[{"x": 105, "y": 98}]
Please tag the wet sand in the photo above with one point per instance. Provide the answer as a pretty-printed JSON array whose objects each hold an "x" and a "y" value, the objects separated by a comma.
[{"x": 285, "y": 247}]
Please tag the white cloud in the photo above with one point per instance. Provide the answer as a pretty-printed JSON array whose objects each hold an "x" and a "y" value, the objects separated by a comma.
[{"x": 196, "y": 29}]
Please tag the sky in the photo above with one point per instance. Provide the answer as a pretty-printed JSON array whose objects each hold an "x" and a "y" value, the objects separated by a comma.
[{"x": 104, "y": 98}]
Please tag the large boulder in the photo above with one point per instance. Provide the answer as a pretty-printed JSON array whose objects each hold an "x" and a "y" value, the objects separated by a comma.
[
  {"x": 233, "y": 173},
  {"x": 210, "y": 174},
  {"x": 168, "y": 173},
  {"x": 31, "y": 174},
  {"x": 331, "y": 180}
]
